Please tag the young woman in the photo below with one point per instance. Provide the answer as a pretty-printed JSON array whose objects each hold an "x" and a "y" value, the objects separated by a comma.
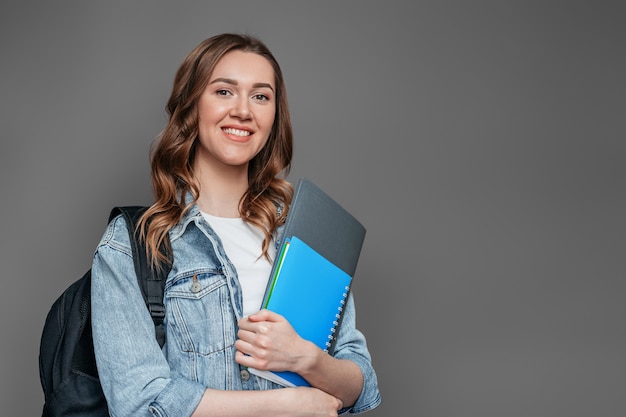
[{"x": 220, "y": 200}]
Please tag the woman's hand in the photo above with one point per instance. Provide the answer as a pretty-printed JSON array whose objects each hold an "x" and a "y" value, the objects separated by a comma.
[
  {"x": 312, "y": 402},
  {"x": 267, "y": 341}
]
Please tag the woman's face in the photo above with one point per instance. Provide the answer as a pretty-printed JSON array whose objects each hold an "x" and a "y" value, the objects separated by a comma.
[{"x": 236, "y": 111}]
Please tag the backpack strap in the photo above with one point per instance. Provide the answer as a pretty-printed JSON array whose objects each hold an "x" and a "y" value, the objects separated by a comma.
[{"x": 151, "y": 280}]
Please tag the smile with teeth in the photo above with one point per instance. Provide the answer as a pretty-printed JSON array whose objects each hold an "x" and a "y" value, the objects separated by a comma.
[{"x": 236, "y": 132}]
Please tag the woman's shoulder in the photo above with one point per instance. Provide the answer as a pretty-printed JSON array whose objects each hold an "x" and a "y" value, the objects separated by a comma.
[{"x": 116, "y": 234}]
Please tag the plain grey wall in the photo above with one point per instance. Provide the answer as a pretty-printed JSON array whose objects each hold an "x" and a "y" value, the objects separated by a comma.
[{"x": 481, "y": 143}]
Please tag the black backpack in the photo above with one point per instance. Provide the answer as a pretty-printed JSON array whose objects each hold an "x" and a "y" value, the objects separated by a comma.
[{"x": 67, "y": 366}]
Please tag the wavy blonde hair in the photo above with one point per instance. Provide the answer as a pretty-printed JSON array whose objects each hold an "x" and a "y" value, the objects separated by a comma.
[{"x": 173, "y": 152}]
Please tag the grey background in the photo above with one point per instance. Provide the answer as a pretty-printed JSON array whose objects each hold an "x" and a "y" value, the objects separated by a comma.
[{"x": 481, "y": 143}]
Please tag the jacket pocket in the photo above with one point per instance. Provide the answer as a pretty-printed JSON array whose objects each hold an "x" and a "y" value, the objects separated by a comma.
[{"x": 199, "y": 315}]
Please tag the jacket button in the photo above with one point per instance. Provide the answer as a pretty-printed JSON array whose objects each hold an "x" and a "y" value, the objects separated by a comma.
[{"x": 245, "y": 375}]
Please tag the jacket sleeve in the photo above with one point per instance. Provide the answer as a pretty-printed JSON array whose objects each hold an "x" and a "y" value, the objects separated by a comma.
[
  {"x": 133, "y": 370},
  {"x": 351, "y": 345}
]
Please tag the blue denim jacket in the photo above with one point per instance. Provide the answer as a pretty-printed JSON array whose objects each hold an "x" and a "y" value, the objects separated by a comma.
[{"x": 141, "y": 379}]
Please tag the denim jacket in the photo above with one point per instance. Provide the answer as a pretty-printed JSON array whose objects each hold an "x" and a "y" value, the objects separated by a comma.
[{"x": 141, "y": 379}]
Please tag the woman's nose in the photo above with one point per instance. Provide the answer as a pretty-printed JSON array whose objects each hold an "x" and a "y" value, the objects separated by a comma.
[{"x": 241, "y": 109}]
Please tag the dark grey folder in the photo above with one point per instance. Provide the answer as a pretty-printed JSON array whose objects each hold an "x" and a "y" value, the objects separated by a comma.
[{"x": 323, "y": 224}]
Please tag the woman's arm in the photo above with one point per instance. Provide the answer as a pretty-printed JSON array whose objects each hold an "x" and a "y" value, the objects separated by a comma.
[
  {"x": 134, "y": 373},
  {"x": 288, "y": 402},
  {"x": 267, "y": 341}
]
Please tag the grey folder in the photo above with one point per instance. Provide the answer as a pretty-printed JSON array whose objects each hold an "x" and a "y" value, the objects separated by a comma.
[{"x": 323, "y": 224}]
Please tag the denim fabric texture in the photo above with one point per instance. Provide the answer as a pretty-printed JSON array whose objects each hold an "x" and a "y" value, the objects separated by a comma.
[{"x": 141, "y": 379}]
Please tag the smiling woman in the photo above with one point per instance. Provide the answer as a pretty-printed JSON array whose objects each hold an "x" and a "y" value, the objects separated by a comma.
[{"x": 221, "y": 201}]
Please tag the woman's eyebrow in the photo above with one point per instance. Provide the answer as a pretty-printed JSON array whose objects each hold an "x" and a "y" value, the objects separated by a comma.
[
  {"x": 234, "y": 82},
  {"x": 263, "y": 85}
]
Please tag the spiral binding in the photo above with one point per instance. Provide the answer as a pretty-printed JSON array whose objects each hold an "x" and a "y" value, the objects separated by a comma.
[{"x": 333, "y": 329}]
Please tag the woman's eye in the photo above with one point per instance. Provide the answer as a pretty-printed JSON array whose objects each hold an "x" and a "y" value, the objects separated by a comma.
[
  {"x": 222, "y": 92},
  {"x": 261, "y": 97}
]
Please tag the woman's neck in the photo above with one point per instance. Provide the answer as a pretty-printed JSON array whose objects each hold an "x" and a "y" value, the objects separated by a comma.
[{"x": 221, "y": 190}]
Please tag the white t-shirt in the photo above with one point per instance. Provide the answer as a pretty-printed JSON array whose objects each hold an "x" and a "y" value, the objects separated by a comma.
[{"x": 242, "y": 243}]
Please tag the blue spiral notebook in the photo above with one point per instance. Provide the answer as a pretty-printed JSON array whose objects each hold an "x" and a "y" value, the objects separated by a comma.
[{"x": 310, "y": 292}]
